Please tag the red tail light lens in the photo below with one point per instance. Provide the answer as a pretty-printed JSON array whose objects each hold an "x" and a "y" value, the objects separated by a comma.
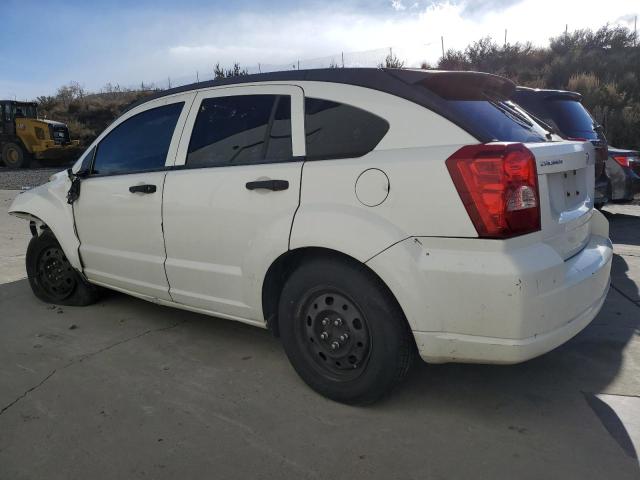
[
  {"x": 621, "y": 160},
  {"x": 498, "y": 185}
]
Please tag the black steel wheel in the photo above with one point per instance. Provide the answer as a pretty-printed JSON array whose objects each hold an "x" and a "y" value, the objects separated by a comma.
[
  {"x": 343, "y": 331},
  {"x": 55, "y": 274},
  {"x": 336, "y": 334},
  {"x": 52, "y": 277}
]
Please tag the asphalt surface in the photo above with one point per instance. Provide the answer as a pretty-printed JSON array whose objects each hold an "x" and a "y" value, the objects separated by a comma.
[{"x": 128, "y": 389}]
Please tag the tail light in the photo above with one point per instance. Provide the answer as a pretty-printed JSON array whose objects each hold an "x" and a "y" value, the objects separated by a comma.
[
  {"x": 498, "y": 185},
  {"x": 621, "y": 160}
]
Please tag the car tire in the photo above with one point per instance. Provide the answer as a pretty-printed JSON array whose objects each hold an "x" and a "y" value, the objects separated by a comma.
[
  {"x": 14, "y": 156},
  {"x": 52, "y": 277},
  {"x": 326, "y": 298}
]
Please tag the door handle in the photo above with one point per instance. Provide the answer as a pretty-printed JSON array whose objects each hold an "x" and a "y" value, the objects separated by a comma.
[
  {"x": 274, "y": 185},
  {"x": 142, "y": 189}
]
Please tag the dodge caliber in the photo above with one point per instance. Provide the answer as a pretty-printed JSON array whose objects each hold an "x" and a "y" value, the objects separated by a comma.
[{"x": 365, "y": 216}]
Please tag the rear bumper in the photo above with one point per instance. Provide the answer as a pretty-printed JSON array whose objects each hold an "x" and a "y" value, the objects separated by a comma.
[
  {"x": 472, "y": 300},
  {"x": 443, "y": 347}
]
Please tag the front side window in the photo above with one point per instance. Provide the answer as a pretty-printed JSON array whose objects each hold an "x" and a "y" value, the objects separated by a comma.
[
  {"x": 138, "y": 144},
  {"x": 336, "y": 130},
  {"x": 241, "y": 130}
]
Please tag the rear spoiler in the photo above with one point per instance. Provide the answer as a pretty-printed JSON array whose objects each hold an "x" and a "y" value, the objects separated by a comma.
[
  {"x": 459, "y": 85},
  {"x": 550, "y": 94}
]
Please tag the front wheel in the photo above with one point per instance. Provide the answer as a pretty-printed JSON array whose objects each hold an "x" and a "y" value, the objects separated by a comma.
[
  {"x": 14, "y": 156},
  {"x": 343, "y": 332},
  {"x": 52, "y": 278}
]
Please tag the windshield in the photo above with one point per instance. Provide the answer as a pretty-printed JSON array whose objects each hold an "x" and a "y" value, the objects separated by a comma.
[
  {"x": 21, "y": 110},
  {"x": 28, "y": 111},
  {"x": 501, "y": 120}
]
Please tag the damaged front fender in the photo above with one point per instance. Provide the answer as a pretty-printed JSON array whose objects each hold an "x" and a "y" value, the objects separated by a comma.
[{"x": 47, "y": 205}]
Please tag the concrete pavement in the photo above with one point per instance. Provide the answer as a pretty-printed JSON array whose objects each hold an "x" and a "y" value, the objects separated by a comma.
[
  {"x": 128, "y": 389},
  {"x": 14, "y": 238}
]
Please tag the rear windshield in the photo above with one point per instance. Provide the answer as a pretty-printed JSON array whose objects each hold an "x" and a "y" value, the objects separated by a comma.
[
  {"x": 501, "y": 120},
  {"x": 565, "y": 115},
  {"x": 570, "y": 116},
  {"x": 480, "y": 102}
]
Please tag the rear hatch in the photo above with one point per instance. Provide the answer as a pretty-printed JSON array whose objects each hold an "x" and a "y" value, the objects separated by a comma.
[
  {"x": 480, "y": 103},
  {"x": 566, "y": 187}
]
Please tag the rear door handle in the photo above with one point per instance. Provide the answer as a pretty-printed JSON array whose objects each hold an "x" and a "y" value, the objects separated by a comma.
[
  {"x": 274, "y": 185},
  {"x": 142, "y": 189}
]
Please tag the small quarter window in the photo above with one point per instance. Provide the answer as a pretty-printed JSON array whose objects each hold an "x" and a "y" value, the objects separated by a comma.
[
  {"x": 336, "y": 130},
  {"x": 138, "y": 144},
  {"x": 241, "y": 130}
]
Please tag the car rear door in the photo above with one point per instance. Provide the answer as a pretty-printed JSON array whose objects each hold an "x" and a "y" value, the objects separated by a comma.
[
  {"x": 118, "y": 212},
  {"x": 230, "y": 199}
]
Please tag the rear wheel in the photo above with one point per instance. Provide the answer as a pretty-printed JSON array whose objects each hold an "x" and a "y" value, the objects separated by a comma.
[
  {"x": 343, "y": 332},
  {"x": 52, "y": 278},
  {"x": 14, "y": 156}
]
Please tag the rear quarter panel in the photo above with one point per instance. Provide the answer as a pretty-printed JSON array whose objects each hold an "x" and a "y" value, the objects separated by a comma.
[{"x": 422, "y": 199}]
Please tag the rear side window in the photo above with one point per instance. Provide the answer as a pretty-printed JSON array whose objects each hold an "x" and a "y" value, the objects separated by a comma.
[
  {"x": 138, "y": 144},
  {"x": 336, "y": 130},
  {"x": 241, "y": 130}
]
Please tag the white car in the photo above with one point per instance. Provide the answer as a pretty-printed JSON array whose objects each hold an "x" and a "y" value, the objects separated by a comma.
[{"x": 362, "y": 215}]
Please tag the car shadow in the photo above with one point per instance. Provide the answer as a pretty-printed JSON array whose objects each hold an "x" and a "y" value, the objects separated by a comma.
[
  {"x": 537, "y": 405},
  {"x": 562, "y": 381}
]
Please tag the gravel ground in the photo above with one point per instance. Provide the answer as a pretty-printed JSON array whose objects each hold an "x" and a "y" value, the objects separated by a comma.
[{"x": 11, "y": 179}]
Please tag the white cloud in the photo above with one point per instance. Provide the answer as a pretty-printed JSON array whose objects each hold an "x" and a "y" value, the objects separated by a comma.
[
  {"x": 415, "y": 36},
  {"x": 178, "y": 45}
]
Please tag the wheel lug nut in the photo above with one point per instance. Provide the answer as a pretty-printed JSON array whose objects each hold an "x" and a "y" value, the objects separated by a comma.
[
  {"x": 344, "y": 337},
  {"x": 335, "y": 345},
  {"x": 324, "y": 335},
  {"x": 325, "y": 321},
  {"x": 337, "y": 322}
]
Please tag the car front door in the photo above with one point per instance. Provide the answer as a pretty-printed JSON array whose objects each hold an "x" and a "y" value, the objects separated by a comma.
[
  {"x": 118, "y": 213},
  {"x": 230, "y": 199}
]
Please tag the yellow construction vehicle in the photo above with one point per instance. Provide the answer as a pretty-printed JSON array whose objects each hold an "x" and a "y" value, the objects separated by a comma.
[{"x": 24, "y": 136}]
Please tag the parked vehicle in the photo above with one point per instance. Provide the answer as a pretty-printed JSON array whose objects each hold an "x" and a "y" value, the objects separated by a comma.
[
  {"x": 564, "y": 112},
  {"x": 623, "y": 170},
  {"x": 24, "y": 136},
  {"x": 360, "y": 214}
]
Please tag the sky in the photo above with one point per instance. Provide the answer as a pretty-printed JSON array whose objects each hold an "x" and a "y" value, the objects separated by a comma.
[{"x": 44, "y": 45}]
